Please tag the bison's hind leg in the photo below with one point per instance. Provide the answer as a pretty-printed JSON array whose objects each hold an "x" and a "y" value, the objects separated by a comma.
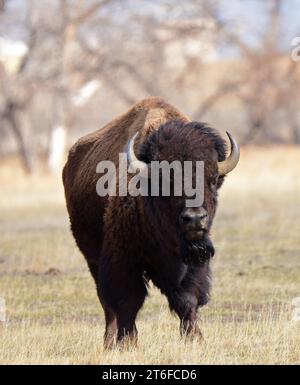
[
  {"x": 110, "y": 327},
  {"x": 89, "y": 244}
]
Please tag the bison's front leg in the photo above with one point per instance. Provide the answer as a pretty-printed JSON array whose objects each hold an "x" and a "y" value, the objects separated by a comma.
[
  {"x": 127, "y": 331},
  {"x": 186, "y": 305},
  {"x": 192, "y": 293},
  {"x": 122, "y": 288}
]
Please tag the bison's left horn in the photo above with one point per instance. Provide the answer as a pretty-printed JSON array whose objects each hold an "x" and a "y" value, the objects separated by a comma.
[
  {"x": 233, "y": 159},
  {"x": 133, "y": 161}
]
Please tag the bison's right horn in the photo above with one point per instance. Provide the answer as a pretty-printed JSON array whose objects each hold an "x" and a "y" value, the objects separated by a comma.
[
  {"x": 231, "y": 162},
  {"x": 133, "y": 161}
]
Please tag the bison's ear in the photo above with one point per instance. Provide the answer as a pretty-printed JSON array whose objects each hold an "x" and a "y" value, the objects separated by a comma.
[
  {"x": 220, "y": 181},
  {"x": 221, "y": 148}
]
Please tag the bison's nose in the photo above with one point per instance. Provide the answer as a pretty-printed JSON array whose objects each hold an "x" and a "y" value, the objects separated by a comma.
[{"x": 194, "y": 218}]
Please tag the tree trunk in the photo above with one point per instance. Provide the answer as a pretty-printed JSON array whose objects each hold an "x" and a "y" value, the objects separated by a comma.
[
  {"x": 26, "y": 157},
  {"x": 57, "y": 148},
  {"x": 296, "y": 134}
]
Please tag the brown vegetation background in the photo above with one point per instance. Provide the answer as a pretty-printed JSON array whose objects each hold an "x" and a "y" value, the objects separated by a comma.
[{"x": 85, "y": 62}]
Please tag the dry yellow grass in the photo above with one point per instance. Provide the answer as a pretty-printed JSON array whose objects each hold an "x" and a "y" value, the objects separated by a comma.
[{"x": 53, "y": 315}]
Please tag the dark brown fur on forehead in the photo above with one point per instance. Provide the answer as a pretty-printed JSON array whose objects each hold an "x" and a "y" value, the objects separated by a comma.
[{"x": 177, "y": 140}]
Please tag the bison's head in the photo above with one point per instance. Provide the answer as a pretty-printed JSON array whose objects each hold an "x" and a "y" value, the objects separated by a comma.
[{"x": 193, "y": 141}]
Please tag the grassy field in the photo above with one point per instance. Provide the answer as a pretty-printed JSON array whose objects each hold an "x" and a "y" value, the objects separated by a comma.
[{"x": 53, "y": 315}]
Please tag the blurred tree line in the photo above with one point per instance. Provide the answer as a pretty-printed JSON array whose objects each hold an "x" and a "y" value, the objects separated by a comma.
[{"x": 68, "y": 67}]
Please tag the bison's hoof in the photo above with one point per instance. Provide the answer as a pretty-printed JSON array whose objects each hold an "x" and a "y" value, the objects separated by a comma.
[{"x": 192, "y": 333}]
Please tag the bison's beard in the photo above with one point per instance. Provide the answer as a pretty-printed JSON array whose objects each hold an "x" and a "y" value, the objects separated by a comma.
[{"x": 197, "y": 252}]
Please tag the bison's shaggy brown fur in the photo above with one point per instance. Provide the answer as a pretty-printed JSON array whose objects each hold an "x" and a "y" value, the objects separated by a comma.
[{"x": 129, "y": 240}]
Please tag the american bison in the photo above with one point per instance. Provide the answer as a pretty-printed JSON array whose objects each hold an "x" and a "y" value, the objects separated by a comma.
[{"x": 129, "y": 240}]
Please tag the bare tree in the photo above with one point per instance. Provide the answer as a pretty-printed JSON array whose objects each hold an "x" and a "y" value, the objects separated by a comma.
[
  {"x": 74, "y": 48},
  {"x": 266, "y": 84},
  {"x": 57, "y": 74},
  {"x": 15, "y": 101}
]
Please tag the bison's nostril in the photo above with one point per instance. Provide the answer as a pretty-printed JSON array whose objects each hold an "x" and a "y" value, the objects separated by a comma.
[
  {"x": 185, "y": 219},
  {"x": 194, "y": 219}
]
